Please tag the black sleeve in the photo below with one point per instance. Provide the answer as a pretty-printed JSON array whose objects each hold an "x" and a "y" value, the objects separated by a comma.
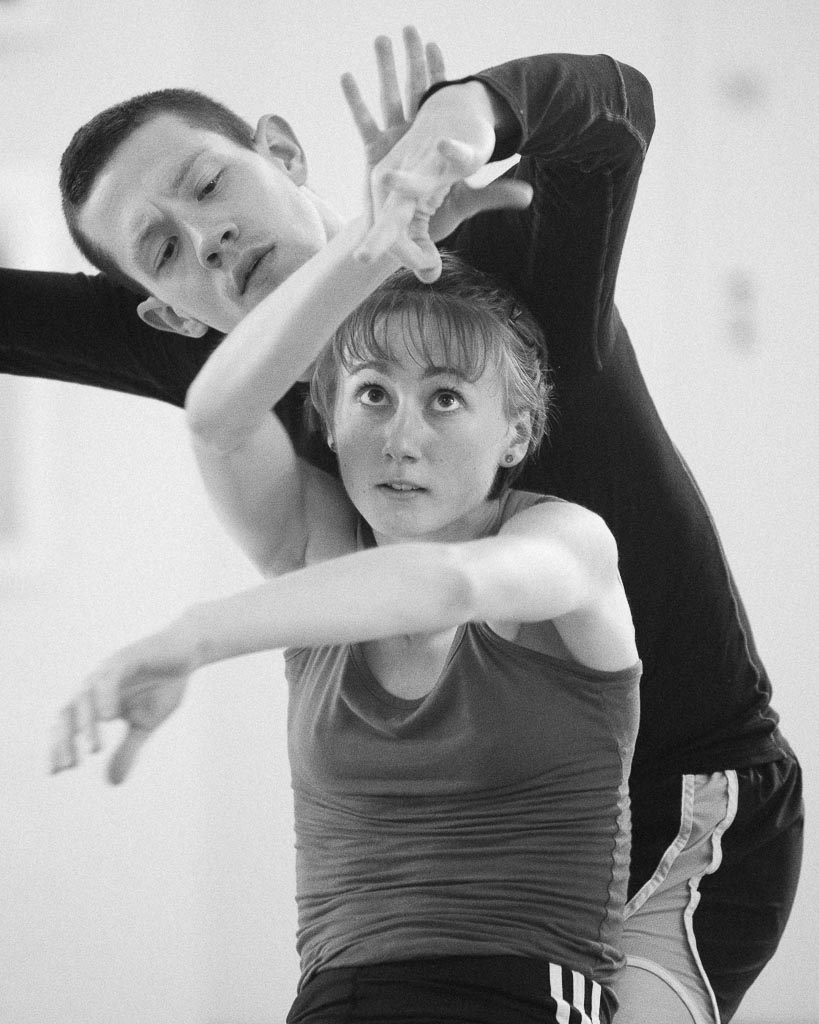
[
  {"x": 85, "y": 330},
  {"x": 582, "y": 125}
]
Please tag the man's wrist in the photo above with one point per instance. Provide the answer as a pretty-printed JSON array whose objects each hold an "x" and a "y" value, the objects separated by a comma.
[
  {"x": 480, "y": 96},
  {"x": 462, "y": 110}
]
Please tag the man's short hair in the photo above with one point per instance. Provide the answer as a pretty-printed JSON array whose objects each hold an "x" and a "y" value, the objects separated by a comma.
[{"x": 95, "y": 143}]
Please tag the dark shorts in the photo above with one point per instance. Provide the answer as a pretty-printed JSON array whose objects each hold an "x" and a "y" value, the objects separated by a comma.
[
  {"x": 452, "y": 990},
  {"x": 715, "y": 864}
]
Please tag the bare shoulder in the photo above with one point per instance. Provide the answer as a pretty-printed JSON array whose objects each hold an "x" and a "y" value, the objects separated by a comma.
[
  {"x": 564, "y": 522},
  {"x": 571, "y": 553},
  {"x": 330, "y": 517}
]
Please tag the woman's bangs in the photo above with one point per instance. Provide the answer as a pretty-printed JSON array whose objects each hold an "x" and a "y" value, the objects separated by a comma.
[{"x": 433, "y": 331}]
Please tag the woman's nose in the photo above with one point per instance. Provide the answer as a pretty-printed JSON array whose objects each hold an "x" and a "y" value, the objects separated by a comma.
[{"x": 403, "y": 435}]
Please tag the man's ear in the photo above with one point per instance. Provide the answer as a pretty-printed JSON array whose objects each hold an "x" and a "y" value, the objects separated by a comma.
[
  {"x": 274, "y": 138},
  {"x": 163, "y": 317}
]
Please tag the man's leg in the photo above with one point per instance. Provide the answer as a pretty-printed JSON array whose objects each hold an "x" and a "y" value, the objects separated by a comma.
[
  {"x": 663, "y": 962},
  {"x": 744, "y": 906},
  {"x": 708, "y": 918}
]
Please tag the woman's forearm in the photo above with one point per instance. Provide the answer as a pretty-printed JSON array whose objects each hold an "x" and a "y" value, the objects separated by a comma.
[
  {"x": 412, "y": 588},
  {"x": 403, "y": 589},
  {"x": 275, "y": 344}
]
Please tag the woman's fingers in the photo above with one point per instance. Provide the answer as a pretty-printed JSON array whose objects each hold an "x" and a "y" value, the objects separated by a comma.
[
  {"x": 63, "y": 751},
  {"x": 123, "y": 758},
  {"x": 78, "y": 720},
  {"x": 391, "y": 222},
  {"x": 87, "y": 719}
]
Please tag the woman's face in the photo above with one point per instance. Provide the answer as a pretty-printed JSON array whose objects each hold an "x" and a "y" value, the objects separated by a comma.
[{"x": 418, "y": 444}]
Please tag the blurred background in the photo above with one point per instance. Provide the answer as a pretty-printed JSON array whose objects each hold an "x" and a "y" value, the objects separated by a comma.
[{"x": 170, "y": 900}]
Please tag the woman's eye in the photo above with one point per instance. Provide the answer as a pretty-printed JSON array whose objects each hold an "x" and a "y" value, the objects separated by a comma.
[
  {"x": 448, "y": 400},
  {"x": 371, "y": 394}
]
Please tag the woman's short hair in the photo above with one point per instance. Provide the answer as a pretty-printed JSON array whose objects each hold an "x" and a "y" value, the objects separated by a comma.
[{"x": 480, "y": 324}]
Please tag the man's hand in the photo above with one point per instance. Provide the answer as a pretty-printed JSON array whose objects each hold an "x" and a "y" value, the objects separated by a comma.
[
  {"x": 417, "y": 190},
  {"x": 142, "y": 685},
  {"x": 425, "y": 66}
]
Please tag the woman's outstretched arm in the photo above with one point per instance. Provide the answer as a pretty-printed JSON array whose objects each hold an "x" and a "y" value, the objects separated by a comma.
[{"x": 551, "y": 563}]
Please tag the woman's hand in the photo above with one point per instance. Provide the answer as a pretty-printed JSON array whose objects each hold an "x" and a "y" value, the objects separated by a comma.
[{"x": 142, "y": 685}]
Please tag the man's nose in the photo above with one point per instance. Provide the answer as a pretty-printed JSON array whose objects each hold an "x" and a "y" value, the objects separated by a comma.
[{"x": 212, "y": 240}]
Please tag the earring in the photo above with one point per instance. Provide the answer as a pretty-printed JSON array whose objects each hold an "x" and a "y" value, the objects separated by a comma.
[{"x": 509, "y": 458}]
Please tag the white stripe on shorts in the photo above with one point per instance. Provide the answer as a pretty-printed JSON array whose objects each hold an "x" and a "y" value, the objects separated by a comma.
[{"x": 577, "y": 999}]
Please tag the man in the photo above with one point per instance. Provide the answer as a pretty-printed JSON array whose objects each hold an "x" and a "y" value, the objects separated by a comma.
[{"x": 205, "y": 225}]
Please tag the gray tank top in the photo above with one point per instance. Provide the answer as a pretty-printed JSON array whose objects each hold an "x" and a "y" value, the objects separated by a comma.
[{"x": 488, "y": 817}]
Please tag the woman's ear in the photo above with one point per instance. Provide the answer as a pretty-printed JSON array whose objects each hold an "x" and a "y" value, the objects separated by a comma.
[
  {"x": 275, "y": 140},
  {"x": 163, "y": 317},
  {"x": 521, "y": 435}
]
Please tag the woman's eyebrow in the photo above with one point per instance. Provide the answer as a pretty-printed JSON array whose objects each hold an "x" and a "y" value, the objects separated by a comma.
[
  {"x": 446, "y": 371},
  {"x": 430, "y": 370}
]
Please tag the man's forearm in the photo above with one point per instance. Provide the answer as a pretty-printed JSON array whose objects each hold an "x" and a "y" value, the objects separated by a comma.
[
  {"x": 572, "y": 107},
  {"x": 83, "y": 329}
]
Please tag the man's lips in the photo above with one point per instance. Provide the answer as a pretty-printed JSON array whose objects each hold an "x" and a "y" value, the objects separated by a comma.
[{"x": 249, "y": 265}]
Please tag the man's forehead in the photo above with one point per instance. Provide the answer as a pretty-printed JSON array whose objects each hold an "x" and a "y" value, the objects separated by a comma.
[
  {"x": 153, "y": 163},
  {"x": 169, "y": 146}
]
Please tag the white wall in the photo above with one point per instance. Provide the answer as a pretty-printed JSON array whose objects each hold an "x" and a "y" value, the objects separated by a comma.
[{"x": 171, "y": 899}]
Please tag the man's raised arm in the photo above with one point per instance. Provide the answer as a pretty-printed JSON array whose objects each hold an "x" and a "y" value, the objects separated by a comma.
[{"x": 581, "y": 125}]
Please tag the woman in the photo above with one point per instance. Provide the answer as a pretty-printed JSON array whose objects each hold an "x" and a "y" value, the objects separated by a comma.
[{"x": 461, "y": 660}]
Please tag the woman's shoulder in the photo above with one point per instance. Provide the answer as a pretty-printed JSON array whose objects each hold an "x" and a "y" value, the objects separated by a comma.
[
  {"x": 578, "y": 529},
  {"x": 514, "y": 502},
  {"x": 521, "y": 509}
]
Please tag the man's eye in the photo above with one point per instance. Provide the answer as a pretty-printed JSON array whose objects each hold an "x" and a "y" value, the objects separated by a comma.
[
  {"x": 166, "y": 252},
  {"x": 209, "y": 187}
]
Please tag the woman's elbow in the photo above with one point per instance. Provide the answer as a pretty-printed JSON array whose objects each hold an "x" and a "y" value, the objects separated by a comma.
[
  {"x": 460, "y": 591},
  {"x": 209, "y": 423}
]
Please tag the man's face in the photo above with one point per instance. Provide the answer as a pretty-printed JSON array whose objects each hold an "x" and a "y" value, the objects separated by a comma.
[{"x": 204, "y": 225}]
